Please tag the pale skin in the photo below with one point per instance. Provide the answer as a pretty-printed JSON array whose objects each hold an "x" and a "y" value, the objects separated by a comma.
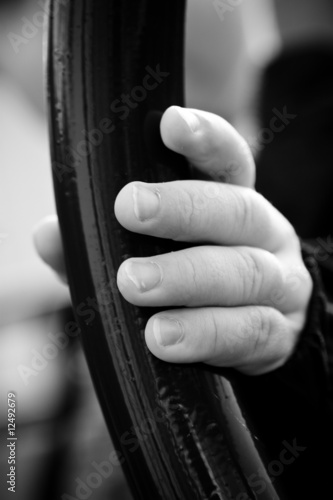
[{"x": 241, "y": 288}]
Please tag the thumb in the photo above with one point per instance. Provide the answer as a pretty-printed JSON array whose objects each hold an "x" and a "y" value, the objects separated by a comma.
[{"x": 47, "y": 240}]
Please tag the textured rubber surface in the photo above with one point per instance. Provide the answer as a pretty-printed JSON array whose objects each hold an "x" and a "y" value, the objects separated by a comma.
[{"x": 179, "y": 428}]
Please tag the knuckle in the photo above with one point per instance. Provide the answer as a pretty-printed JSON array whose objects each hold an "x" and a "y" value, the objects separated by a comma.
[
  {"x": 269, "y": 341},
  {"x": 277, "y": 297},
  {"x": 260, "y": 329},
  {"x": 244, "y": 209},
  {"x": 251, "y": 276},
  {"x": 210, "y": 347},
  {"x": 189, "y": 204},
  {"x": 297, "y": 277},
  {"x": 185, "y": 214},
  {"x": 271, "y": 336},
  {"x": 299, "y": 285},
  {"x": 188, "y": 271}
]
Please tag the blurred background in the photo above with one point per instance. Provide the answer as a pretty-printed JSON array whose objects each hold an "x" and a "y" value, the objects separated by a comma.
[{"x": 60, "y": 428}]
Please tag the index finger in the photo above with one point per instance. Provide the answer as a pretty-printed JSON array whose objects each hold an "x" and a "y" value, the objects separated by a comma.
[
  {"x": 209, "y": 143},
  {"x": 192, "y": 211}
]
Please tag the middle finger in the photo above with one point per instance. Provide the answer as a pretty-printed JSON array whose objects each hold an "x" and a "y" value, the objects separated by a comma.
[{"x": 206, "y": 276}]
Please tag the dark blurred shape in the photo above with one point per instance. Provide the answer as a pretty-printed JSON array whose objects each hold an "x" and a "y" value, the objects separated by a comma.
[
  {"x": 295, "y": 170},
  {"x": 199, "y": 446},
  {"x": 11, "y": 3}
]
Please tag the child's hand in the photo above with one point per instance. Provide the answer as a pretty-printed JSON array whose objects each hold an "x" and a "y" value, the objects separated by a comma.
[{"x": 242, "y": 286}]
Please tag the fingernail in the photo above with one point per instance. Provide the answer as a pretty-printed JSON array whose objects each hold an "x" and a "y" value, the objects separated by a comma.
[
  {"x": 167, "y": 331},
  {"x": 192, "y": 121},
  {"x": 144, "y": 275},
  {"x": 146, "y": 202}
]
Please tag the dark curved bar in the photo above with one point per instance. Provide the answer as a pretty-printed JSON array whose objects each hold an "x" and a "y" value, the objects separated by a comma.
[{"x": 179, "y": 428}]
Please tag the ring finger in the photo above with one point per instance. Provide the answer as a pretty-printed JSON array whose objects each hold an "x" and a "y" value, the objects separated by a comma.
[{"x": 252, "y": 339}]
